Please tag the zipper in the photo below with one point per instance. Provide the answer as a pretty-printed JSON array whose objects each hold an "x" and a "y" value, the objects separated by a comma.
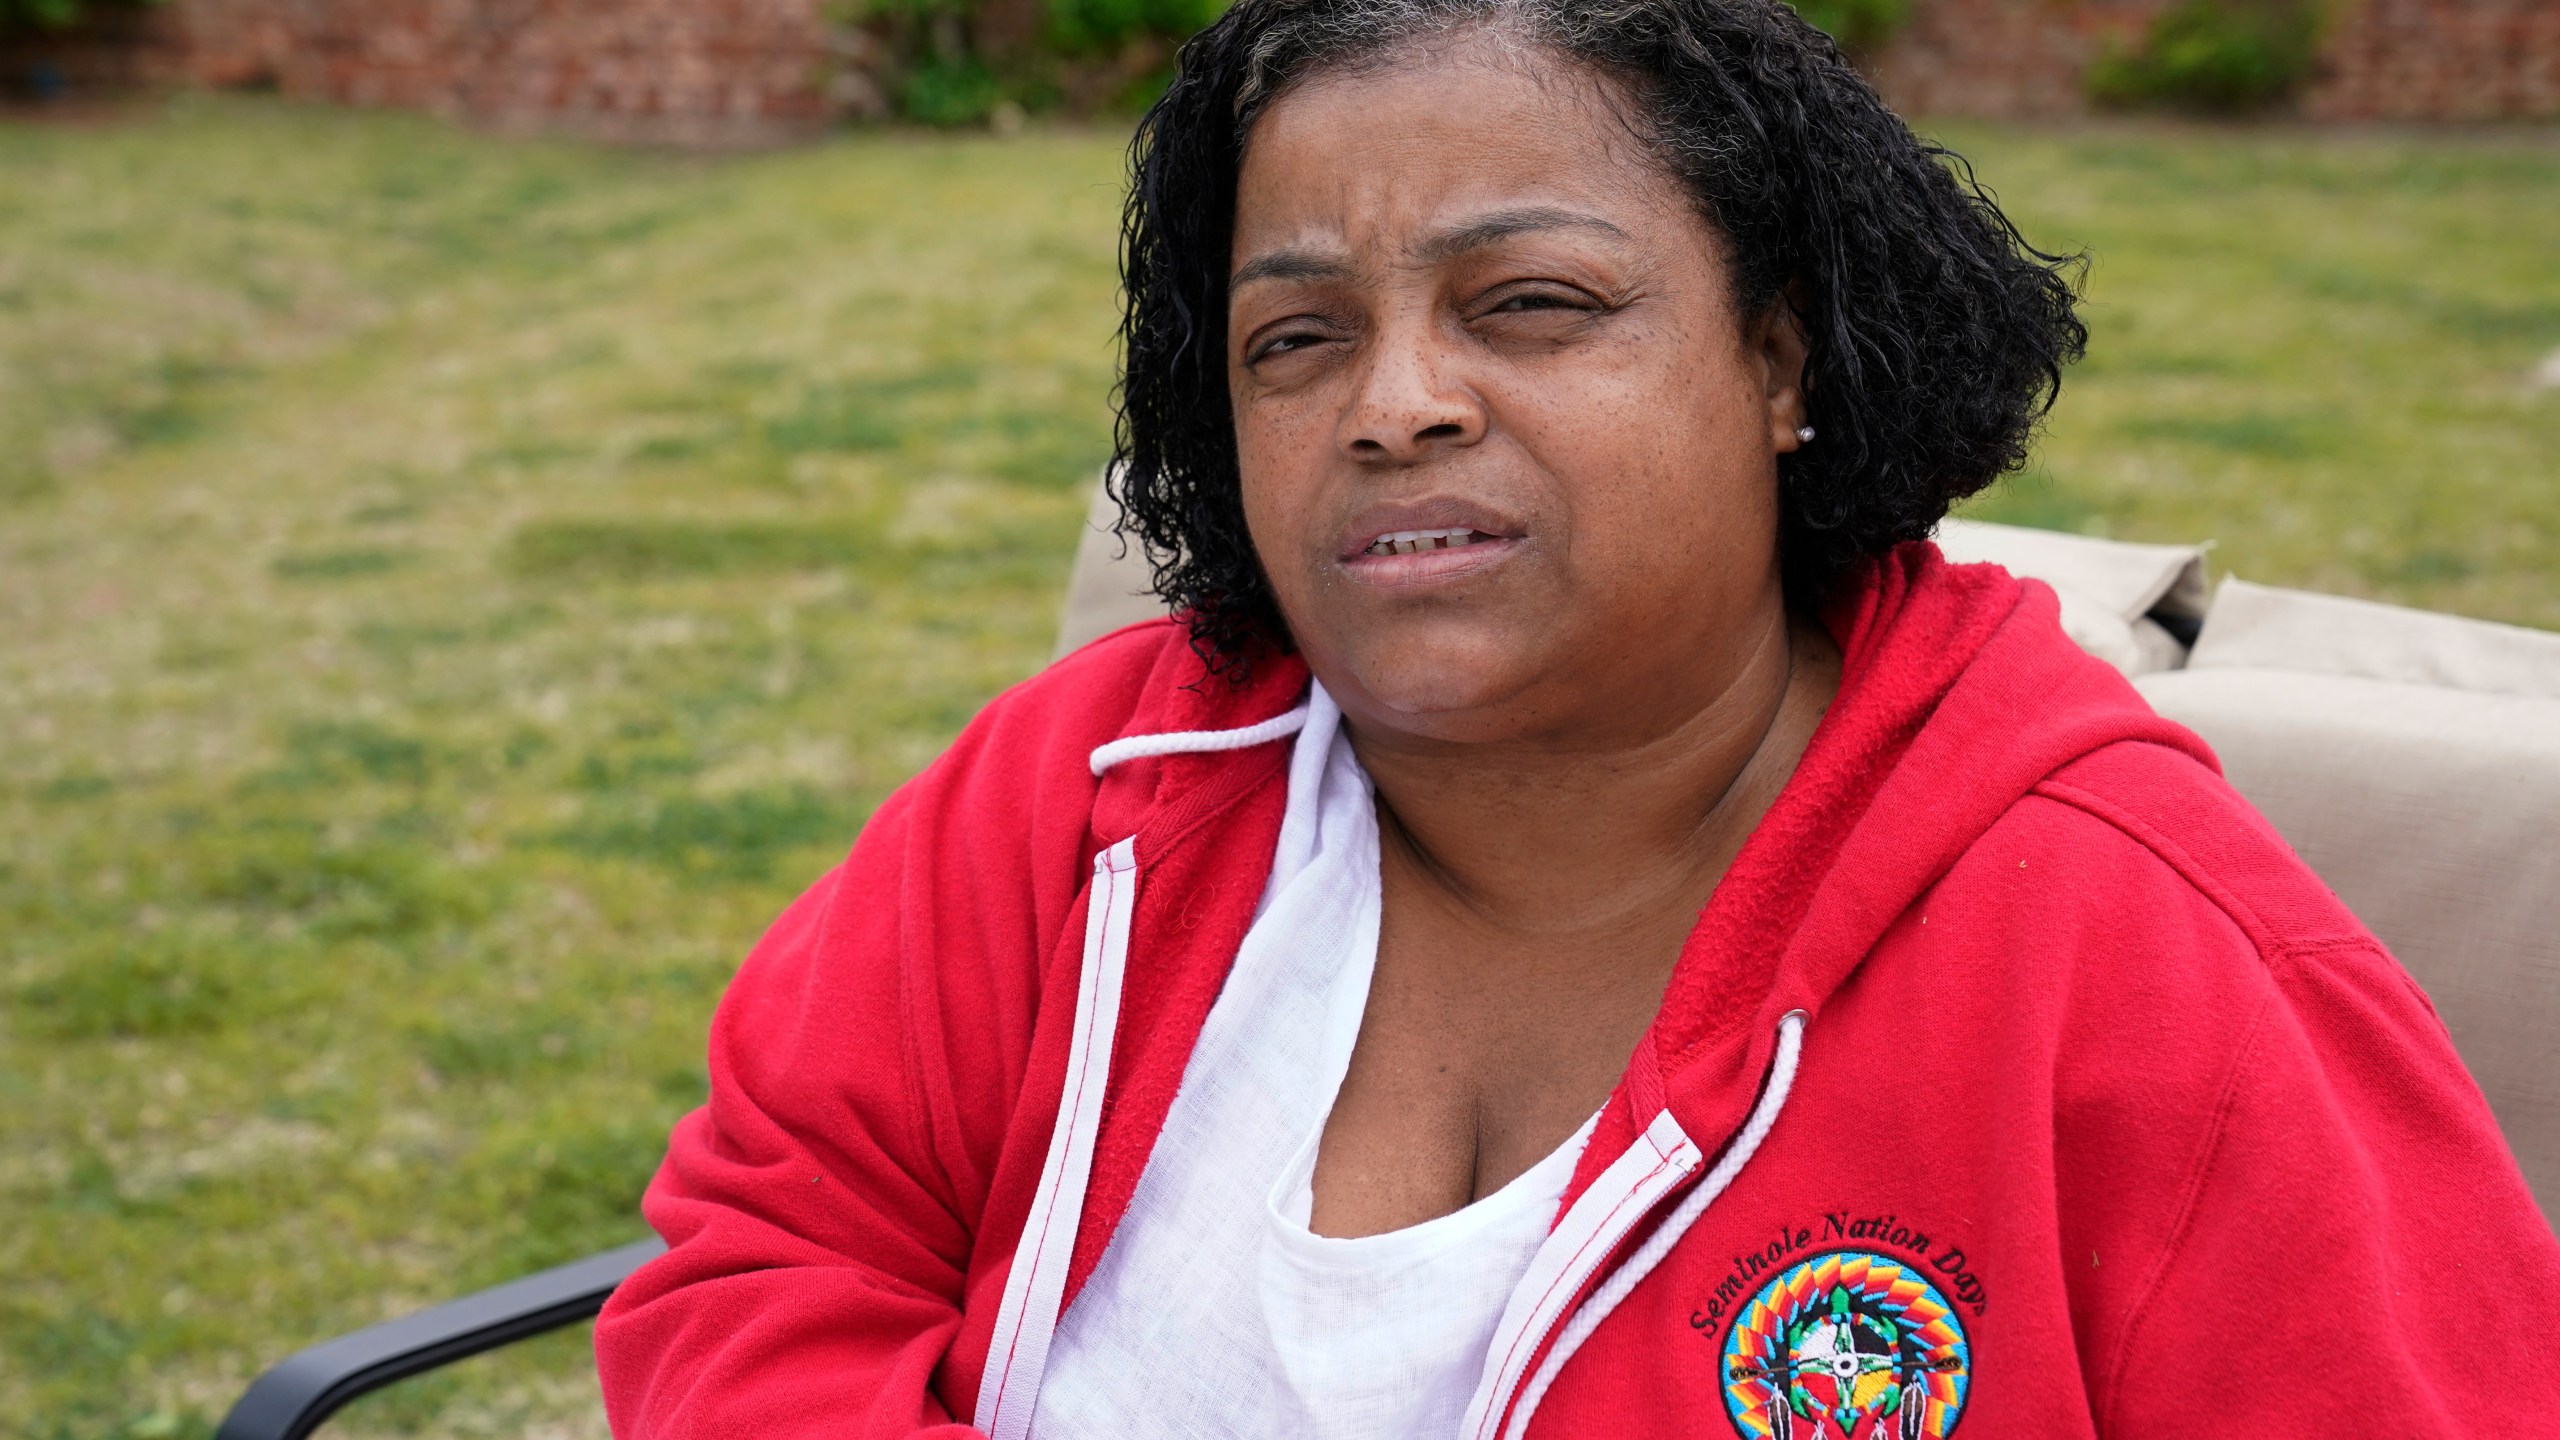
[
  {"x": 1036, "y": 1284},
  {"x": 1018, "y": 1352},
  {"x": 1558, "y": 1305},
  {"x": 1662, "y": 1157}
]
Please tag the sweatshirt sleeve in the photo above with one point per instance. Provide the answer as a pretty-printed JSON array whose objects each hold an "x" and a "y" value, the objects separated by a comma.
[
  {"x": 818, "y": 1237},
  {"x": 840, "y": 1216},
  {"x": 2354, "y": 1250}
]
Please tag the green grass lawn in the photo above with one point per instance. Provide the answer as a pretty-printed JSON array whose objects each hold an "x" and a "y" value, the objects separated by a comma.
[{"x": 453, "y": 591}]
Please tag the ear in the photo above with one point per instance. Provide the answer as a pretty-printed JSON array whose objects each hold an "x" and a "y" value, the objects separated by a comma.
[{"x": 1777, "y": 338}]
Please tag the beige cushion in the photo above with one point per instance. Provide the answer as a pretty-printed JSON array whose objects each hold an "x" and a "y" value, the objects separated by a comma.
[
  {"x": 2110, "y": 589},
  {"x": 2258, "y": 626},
  {"x": 2413, "y": 760}
]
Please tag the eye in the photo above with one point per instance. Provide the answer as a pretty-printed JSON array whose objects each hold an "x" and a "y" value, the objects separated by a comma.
[
  {"x": 1543, "y": 297},
  {"x": 1286, "y": 339}
]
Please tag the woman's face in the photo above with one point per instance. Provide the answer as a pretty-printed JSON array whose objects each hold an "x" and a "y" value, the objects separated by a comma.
[{"x": 1508, "y": 449}]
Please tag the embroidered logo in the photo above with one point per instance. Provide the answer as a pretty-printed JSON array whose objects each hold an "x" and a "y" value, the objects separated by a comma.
[{"x": 1846, "y": 1345}]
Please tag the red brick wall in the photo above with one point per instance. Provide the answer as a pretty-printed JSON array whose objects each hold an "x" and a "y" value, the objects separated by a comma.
[
  {"x": 2002, "y": 58},
  {"x": 2381, "y": 60},
  {"x": 689, "y": 72},
  {"x": 734, "y": 72},
  {"x": 2441, "y": 60}
]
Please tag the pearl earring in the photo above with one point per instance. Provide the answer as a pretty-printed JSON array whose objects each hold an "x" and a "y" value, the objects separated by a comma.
[{"x": 1804, "y": 434}]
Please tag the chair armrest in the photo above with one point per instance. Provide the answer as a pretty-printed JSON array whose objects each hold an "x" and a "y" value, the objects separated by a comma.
[{"x": 290, "y": 1400}]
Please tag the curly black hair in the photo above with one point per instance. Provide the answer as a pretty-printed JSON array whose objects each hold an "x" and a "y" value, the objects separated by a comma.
[{"x": 1937, "y": 333}]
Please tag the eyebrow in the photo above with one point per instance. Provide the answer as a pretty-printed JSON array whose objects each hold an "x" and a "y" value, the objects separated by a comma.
[
  {"x": 1289, "y": 265},
  {"x": 1501, "y": 225},
  {"x": 1493, "y": 229}
]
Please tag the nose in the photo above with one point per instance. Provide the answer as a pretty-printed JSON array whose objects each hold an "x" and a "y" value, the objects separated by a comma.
[{"x": 1409, "y": 403}]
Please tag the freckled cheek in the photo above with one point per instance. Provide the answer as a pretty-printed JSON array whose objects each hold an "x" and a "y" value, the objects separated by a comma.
[
  {"x": 1282, "y": 458},
  {"x": 1659, "y": 480}
]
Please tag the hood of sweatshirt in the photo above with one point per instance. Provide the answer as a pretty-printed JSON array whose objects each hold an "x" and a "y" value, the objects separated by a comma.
[{"x": 1959, "y": 693}]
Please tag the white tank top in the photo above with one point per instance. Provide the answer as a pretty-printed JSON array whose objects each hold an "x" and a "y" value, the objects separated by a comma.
[{"x": 1215, "y": 1311}]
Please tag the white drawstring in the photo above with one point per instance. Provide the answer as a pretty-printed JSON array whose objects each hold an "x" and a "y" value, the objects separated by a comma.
[
  {"x": 1623, "y": 1281},
  {"x": 1190, "y": 742},
  {"x": 1027, "y": 1319}
]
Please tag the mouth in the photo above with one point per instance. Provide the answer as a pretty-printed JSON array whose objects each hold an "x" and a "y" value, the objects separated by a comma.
[
  {"x": 1427, "y": 543},
  {"x": 1415, "y": 542}
]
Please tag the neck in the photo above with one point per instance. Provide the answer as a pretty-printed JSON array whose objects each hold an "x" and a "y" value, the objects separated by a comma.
[{"x": 1577, "y": 829}]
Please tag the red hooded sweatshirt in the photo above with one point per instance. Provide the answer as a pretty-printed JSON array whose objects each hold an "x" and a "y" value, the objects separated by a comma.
[{"x": 2016, "y": 1076}]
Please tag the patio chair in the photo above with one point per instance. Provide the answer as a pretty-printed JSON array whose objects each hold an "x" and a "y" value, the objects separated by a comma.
[{"x": 2412, "y": 759}]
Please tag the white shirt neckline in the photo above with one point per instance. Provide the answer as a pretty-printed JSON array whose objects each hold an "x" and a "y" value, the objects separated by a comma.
[
  {"x": 1540, "y": 1187},
  {"x": 1215, "y": 1310}
]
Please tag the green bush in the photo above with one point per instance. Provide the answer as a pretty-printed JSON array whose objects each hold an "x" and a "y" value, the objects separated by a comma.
[
  {"x": 932, "y": 69},
  {"x": 22, "y": 15},
  {"x": 1095, "y": 27},
  {"x": 37, "y": 14},
  {"x": 2215, "y": 57},
  {"x": 950, "y": 92},
  {"x": 1860, "y": 26},
  {"x": 1084, "y": 55}
]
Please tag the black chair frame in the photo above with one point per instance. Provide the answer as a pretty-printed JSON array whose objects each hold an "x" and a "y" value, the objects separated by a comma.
[{"x": 290, "y": 1401}]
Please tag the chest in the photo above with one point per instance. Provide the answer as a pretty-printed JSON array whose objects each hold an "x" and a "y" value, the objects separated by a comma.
[{"x": 1478, "y": 1053}]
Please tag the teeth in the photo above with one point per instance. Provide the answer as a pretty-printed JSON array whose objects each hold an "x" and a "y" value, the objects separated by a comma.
[{"x": 1410, "y": 542}]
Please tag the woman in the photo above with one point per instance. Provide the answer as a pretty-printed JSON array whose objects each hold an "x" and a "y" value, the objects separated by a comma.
[{"x": 1587, "y": 925}]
